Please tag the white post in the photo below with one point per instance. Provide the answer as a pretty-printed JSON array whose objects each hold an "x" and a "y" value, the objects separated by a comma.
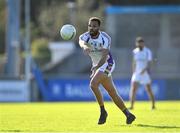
[{"x": 12, "y": 38}]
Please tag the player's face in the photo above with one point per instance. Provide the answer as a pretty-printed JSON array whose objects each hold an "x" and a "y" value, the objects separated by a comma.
[
  {"x": 93, "y": 28},
  {"x": 140, "y": 45}
]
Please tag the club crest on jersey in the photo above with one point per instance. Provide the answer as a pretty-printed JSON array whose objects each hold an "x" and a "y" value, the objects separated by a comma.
[{"x": 96, "y": 45}]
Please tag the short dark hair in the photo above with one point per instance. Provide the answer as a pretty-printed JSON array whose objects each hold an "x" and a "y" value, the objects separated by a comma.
[
  {"x": 95, "y": 19},
  {"x": 139, "y": 39}
]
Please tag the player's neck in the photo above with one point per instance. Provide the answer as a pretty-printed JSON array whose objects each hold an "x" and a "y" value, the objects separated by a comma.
[
  {"x": 141, "y": 48},
  {"x": 95, "y": 36}
]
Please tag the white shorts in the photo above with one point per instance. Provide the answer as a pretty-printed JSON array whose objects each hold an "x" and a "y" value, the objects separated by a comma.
[
  {"x": 141, "y": 78},
  {"x": 107, "y": 68}
]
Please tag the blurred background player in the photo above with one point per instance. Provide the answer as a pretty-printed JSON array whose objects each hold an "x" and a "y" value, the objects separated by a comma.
[
  {"x": 96, "y": 44},
  {"x": 142, "y": 58}
]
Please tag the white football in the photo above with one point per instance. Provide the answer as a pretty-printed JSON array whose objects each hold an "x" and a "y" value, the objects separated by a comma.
[{"x": 68, "y": 32}]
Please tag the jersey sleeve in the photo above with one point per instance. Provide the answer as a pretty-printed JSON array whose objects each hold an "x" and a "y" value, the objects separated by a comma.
[
  {"x": 106, "y": 40},
  {"x": 84, "y": 37},
  {"x": 133, "y": 54}
]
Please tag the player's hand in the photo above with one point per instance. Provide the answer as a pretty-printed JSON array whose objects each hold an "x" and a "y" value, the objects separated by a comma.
[
  {"x": 92, "y": 74},
  {"x": 93, "y": 70},
  {"x": 143, "y": 71}
]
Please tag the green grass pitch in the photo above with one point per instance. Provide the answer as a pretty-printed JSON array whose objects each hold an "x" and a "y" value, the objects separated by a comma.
[{"x": 81, "y": 117}]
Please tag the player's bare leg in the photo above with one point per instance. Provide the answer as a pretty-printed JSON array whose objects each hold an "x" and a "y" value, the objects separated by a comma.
[
  {"x": 132, "y": 96},
  {"x": 109, "y": 86},
  {"x": 151, "y": 95},
  {"x": 94, "y": 84}
]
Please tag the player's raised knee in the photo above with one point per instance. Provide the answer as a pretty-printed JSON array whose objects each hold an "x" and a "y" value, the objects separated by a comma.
[
  {"x": 94, "y": 84},
  {"x": 113, "y": 93}
]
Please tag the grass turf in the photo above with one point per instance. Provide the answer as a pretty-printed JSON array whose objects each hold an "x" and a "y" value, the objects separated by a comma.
[{"x": 82, "y": 117}]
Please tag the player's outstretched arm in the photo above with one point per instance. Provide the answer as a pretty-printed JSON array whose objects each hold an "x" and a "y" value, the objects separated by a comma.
[
  {"x": 84, "y": 46},
  {"x": 147, "y": 68},
  {"x": 101, "y": 62},
  {"x": 133, "y": 65},
  {"x": 103, "y": 58}
]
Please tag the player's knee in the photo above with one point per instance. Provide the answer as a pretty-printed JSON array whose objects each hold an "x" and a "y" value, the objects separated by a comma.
[
  {"x": 134, "y": 90},
  {"x": 148, "y": 88},
  {"x": 111, "y": 92},
  {"x": 94, "y": 84}
]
